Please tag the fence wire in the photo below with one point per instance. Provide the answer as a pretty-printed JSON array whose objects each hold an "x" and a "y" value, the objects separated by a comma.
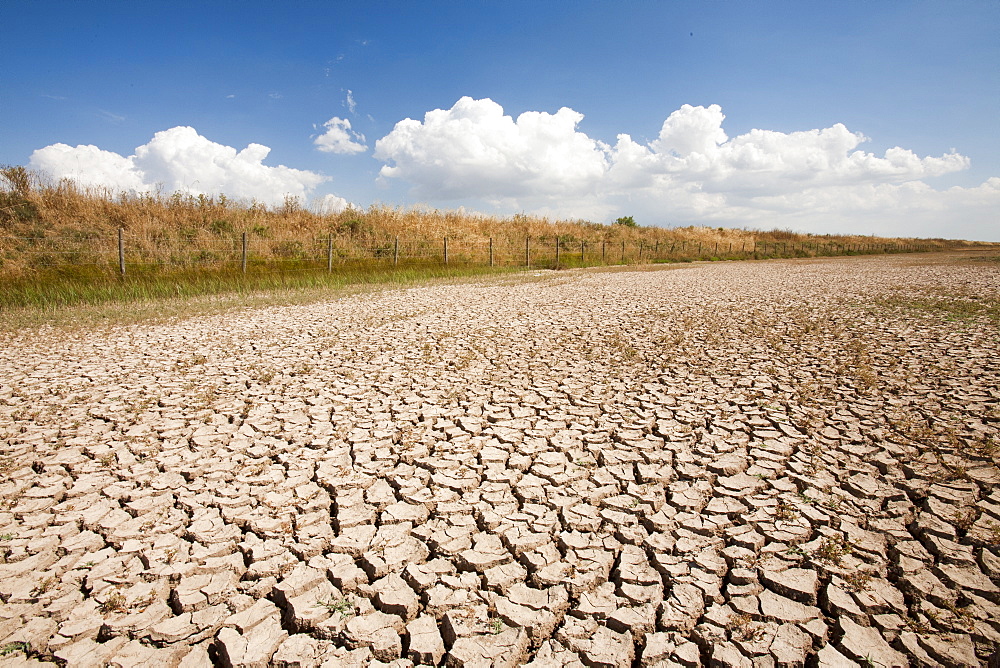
[{"x": 264, "y": 255}]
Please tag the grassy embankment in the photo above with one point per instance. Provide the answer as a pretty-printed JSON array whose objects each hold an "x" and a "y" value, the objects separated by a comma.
[{"x": 59, "y": 245}]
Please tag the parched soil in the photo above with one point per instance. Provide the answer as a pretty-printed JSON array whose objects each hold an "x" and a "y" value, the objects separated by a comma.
[{"x": 743, "y": 464}]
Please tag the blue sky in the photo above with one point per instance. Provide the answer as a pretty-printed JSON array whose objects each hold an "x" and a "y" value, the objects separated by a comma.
[{"x": 809, "y": 99}]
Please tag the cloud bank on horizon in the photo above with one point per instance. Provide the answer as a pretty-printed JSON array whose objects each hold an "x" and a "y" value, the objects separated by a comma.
[
  {"x": 692, "y": 173},
  {"x": 477, "y": 156}
]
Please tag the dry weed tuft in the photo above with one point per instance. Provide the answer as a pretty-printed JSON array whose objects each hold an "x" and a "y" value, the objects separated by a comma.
[{"x": 833, "y": 549}]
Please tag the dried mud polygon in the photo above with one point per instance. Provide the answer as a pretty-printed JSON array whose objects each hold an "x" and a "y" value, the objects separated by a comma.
[{"x": 735, "y": 464}]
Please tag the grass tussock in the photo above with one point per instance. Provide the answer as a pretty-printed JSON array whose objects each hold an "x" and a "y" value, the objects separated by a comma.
[
  {"x": 947, "y": 307},
  {"x": 59, "y": 244}
]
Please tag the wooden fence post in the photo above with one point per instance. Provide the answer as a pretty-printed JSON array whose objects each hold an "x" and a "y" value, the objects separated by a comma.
[
  {"x": 121, "y": 251},
  {"x": 604, "y": 255},
  {"x": 557, "y": 251},
  {"x": 446, "y": 250},
  {"x": 491, "y": 251},
  {"x": 395, "y": 251},
  {"x": 527, "y": 252},
  {"x": 583, "y": 248},
  {"x": 243, "y": 256},
  {"x": 623, "y": 251}
]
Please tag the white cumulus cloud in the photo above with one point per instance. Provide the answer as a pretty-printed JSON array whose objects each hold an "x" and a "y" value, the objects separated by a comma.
[
  {"x": 180, "y": 160},
  {"x": 339, "y": 138},
  {"x": 89, "y": 166},
  {"x": 330, "y": 204},
  {"x": 818, "y": 180},
  {"x": 473, "y": 149},
  {"x": 693, "y": 147}
]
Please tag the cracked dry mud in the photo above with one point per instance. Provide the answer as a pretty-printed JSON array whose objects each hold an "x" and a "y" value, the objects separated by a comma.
[{"x": 740, "y": 464}]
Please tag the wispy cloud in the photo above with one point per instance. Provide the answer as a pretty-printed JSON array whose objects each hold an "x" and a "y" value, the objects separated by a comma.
[
  {"x": 109, "y": 116},
  {"x": 350, "y": 103},
  {"x": 60, "y": 98},
  {"x": 352, "y": 50}
]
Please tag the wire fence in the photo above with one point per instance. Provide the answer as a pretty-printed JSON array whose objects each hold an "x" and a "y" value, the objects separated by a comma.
[{"x": 252, "y": 254}]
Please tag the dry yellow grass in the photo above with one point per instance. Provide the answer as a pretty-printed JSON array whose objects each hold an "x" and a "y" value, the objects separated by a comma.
[{"x": 45, "y": 224}]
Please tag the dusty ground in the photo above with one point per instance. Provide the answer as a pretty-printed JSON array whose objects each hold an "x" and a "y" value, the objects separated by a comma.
[{"x": 744, "y": 464}]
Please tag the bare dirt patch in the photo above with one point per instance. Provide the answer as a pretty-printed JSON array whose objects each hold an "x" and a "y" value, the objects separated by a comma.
[{"x": 742, "y": 463}]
